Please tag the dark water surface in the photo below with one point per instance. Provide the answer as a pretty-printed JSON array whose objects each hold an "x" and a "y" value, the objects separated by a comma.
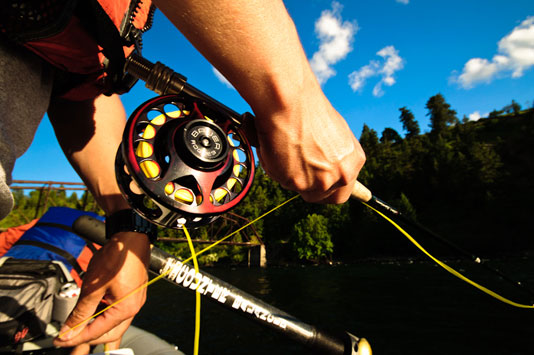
[{"x": 400, "y": 307}]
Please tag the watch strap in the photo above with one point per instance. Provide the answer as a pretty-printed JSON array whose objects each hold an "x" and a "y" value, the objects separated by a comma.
[{"x": 129, "y": 221}]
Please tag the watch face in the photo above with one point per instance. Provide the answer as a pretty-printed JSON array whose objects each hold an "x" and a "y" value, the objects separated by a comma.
[{"x": 129, "y": 221}]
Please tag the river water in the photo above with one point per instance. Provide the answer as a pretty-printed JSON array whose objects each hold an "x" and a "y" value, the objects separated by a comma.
[{"x": 401, "y": 307}]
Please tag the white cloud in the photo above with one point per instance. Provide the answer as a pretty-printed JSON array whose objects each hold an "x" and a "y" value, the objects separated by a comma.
[
  {"x": 357, "y": 78},
  {"x": 336, "y": 37},
  {"x": 405, "y": 2},
  {"x": 392, "y": 63},
  {"x": 221, "y": 78},
  {"x": 475, "y": 116},
  {"x": 515, "y": 56}
]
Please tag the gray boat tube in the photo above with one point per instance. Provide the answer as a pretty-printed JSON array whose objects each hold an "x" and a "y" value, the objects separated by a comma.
[{"x": 236, "y": 300}]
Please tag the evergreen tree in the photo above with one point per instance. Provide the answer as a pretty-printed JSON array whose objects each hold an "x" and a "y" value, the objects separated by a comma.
[
  {"x": 389, "y": 135},
  {"x": 369, "y": 140},
  {"x": 441, "y": 115},
  {"x": 409, "y": 123},
  {"x": 371, "y": 146}
]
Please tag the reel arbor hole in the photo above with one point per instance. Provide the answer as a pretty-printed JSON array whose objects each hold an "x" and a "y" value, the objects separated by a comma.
[
  {"x": 184, "y": 190},
  {"x": 234, "y": 141},
  {"x": 156, "y": 117},
  {"x": 172, "y": 110},
  {"x": 135, "y": 188}
]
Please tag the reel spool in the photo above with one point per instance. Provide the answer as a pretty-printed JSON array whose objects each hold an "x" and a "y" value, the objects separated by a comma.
[{"x": 182, "y": 163}]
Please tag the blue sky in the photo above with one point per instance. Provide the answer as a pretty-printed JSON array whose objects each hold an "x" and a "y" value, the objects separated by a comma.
[{"x": 372, "y": 57}]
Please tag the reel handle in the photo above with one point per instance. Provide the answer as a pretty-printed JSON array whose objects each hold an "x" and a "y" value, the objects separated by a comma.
[{"x": 163, "y": 80}]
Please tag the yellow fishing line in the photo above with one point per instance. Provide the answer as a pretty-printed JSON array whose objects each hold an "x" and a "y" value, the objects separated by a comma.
[
  {"x": 448, "y": 268},
  {"x": 162, "y": 275},
  {"x": 131, "y": 293},
  {"x": 240, "y": 229},
  {"x": 197, "y": 294}
]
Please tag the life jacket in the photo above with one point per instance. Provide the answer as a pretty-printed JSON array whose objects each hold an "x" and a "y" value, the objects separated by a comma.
[
  {"x": 86, "y": 40},
  {"x": 52, "y": 238}
]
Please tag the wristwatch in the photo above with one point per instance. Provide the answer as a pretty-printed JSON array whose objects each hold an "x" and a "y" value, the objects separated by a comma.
[{"x": 129, "y": 221}]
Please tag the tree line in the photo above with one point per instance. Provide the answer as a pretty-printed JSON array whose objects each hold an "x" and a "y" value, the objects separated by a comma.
[{"x": 470, "y": 181}]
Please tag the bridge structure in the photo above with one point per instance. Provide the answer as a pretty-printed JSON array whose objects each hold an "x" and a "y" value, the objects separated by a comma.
[{"x": 230, "y": 221}]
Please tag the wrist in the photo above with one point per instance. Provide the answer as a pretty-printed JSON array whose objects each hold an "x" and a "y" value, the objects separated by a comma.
[
  {"x": 283, "y": 93},
  {"x": 127, "y": 220}
]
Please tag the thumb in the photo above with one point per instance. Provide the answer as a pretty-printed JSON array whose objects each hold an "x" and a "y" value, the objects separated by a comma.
[{"x": 80, "y": 317}]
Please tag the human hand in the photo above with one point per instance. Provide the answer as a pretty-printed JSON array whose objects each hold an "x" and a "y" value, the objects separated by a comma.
[
  {"x": 118, "y": 268},
  {"x": 309, "y": 148}
]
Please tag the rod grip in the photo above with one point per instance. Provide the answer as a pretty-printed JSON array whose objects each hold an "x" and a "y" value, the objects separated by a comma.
[{"x": 361, "y": 193}]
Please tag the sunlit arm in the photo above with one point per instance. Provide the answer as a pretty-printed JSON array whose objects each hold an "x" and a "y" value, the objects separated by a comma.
[{"x": 89, "y": 133}]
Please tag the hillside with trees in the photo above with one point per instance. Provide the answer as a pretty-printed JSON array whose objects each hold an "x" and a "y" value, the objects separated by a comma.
[{"x": 469, "y": 181}]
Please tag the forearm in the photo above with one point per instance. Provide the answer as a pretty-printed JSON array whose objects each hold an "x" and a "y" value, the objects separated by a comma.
[
  {"x": 303, "y": 142},
  {"x": 89, "y": 133},
  {"x": 253, "y": 43}
]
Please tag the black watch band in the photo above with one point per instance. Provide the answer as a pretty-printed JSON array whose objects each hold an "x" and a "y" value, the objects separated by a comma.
[{"x": 129, "y": 221}]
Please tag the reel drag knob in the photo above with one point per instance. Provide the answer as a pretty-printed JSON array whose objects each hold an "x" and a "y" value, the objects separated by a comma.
[{"x": 202, "y": 144}]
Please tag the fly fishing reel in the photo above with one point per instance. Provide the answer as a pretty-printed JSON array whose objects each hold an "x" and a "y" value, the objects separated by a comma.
[{"x": 183, "y": 163}]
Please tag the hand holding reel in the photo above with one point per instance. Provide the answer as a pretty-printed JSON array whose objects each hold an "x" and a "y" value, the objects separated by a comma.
[{"x": 183, "y": 162}]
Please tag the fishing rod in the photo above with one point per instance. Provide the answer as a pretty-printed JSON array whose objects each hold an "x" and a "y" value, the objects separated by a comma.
[{"x": 234, "y": 299}]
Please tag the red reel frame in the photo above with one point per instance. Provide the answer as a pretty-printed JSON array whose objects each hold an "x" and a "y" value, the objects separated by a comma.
[{"x": 182, "y": 163}]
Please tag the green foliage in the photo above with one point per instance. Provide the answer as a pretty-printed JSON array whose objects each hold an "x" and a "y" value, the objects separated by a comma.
[
  {"x": 409, "y": 123},
  {"x": 311, "y": 240},
  {"x": 468, "y": 180},
  {"x": 369, "y": 139},
  {"x": 495, "y": 113},
  {"x": 389, "y": 135},
  {"x": 441, "y": 115},
  {"x": 514, "y": 108},
  {"x": 406, "y": 207},
  {"x": 29, "y": 206}
]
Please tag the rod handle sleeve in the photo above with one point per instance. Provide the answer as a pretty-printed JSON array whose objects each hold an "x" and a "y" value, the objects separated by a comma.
[{"x": 361, "y": 193}]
